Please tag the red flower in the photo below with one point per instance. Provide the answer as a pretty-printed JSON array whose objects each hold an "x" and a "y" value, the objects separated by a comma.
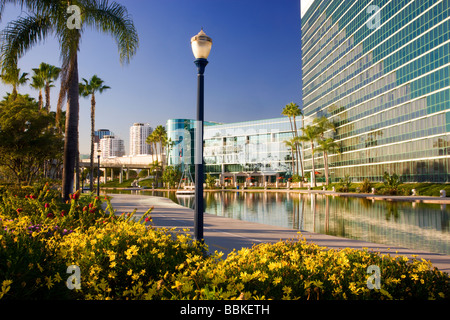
[
  {"x": 50, "y": 215},
  {"x": 19, "y": 210},
  {"x": 90, "y": 205},
  {"x": 147, "y": 219},
  {"x": 85, "y": 208},
  {"x": 74, "y": 196},
  {"x": 63, "y": 213},
  {"x": 92, "y": 210},
  {"x": 46, "y": 205}
]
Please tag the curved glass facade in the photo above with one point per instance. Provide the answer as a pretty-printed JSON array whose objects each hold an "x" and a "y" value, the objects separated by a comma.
[
  {"x": 251, "y": 146},
  {"x": 181, "y": 133},
  {"x": 384, "y": 79}
]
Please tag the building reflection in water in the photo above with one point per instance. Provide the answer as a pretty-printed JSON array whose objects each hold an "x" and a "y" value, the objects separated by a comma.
[{"x": 412, "y": 225}]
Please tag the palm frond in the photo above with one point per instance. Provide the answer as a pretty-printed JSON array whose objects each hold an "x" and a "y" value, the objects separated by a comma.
[
  {"x": 113, "y": 18},
  {"x": 21, "y": 35}
]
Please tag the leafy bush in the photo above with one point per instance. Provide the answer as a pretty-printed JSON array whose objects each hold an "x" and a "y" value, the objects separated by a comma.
[
  {"x": 344, "y": 184},
  {"x": 297, "y": 178},
  {"x": 366, "y": 186},
  {"x": 391, "y": 183},
  {"x": 300, "y": 270}
]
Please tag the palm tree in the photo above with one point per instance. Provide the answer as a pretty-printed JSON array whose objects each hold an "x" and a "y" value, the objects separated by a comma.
[
  {"x": 48, "y": 74},
  {"x": 50, "y": 17},
  {"x": 324, "y": 125},
  {"x": 327, "y": 146},
  {"x": 160, "y": 139},
  {"x": 311, "y": 134},
  {"x": 13, "y": 77},
  {"x": 291, "y": 144},
  {"x": 38, "y": 83},
  {"x": 151, "y": 140},
  {"x": 293, "y": 110},
  {"x": 86, "y": 89}
]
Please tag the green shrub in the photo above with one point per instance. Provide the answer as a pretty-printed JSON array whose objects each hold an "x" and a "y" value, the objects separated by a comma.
[
  {"x": 300, "y": 270},
  {"x": 391, "y": 183},
  {"x": 366, "y": 186},
  {"x": 344, "y": 184}
]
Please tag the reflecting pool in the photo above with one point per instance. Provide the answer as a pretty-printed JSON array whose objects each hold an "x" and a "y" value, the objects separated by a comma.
[{"x": 412, "y": 225}]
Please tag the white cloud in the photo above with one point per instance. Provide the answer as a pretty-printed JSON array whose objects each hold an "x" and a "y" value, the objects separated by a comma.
[{"x": 304, "y": 6}]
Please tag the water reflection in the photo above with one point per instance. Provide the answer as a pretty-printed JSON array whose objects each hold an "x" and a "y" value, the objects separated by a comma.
[{"x": 413, "y": 225}]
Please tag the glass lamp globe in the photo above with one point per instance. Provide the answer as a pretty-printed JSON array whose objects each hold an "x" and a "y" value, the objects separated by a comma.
[{"x": 201, "y": 45}]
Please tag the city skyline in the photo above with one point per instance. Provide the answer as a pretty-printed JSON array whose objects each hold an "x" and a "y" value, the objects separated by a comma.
[{"x": 247, "y": 74}]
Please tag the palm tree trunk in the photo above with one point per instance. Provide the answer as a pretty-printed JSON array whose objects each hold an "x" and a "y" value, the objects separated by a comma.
[
  {"x": 77, "y": 167},
  {"x": 71, "y": 132},
  {"x": 303, "y": 149},
  {"x": 292, "y": 160},
  {"x": 92, "y": 141},
  {"x": 297, "y": 149},
  {"x": 40, "y": 102},
  {"x": 325, "y": 162},
  {"x": 47, "y": 97},
  {"x": 313, "y": 172},
  {"x": 153, "y": 152}
]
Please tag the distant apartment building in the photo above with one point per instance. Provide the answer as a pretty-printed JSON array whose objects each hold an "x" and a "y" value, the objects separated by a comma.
[
  {"x": 99, "y": 134},
  {"x": 110, "y": 146},
  {"x": 138, "y": 136}
]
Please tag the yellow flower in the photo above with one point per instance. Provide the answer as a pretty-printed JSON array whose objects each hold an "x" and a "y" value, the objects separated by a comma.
[
  {"x": 58, "y": 277},
  {"x": 263, "y": 276},
  {"x": 276, "y": 280},
  {"x": 49, "y": 282},
  {"x": 245, "y": 276},
  {"x": 130, "y": 272},
  {"x": 274, "y": 266},
  {"x": 131, "y": 252},
  {"x": 414, "y": 277},
  {"x": 287, "y": 290},
  {"x": 135, "y": 276},
  {"x": 113, "y": 264},
  {"x": 177, "y": 285}
]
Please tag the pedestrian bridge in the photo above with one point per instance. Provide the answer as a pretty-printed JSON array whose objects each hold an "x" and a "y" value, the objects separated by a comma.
[{"x": 126, "y": 162}]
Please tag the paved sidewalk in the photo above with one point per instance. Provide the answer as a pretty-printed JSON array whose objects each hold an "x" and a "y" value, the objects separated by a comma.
[{"x": 225, "y": 234}]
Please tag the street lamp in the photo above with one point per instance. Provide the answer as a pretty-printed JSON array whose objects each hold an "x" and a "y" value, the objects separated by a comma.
[
  {"x": 98, "y": 172},
  {"x": 201, "y": 47}
]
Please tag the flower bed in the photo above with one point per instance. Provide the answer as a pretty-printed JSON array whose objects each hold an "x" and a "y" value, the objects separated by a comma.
[{"x": 121, "y": 258}]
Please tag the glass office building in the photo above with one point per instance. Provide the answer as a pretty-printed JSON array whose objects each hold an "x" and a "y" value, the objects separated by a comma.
[
  {"x": 380, "y": 71},
  {"x": 181, "y": 132},
  {"x": 242, "y": 149}
]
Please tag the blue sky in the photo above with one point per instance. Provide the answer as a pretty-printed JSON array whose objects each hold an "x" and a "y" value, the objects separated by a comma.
[{"x": 254, "y": 67}]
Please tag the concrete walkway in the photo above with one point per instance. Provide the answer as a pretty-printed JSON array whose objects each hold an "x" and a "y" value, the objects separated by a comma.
[{"x": 225, "y": 234}]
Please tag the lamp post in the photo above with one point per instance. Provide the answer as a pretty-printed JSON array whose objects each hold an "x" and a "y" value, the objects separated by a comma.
[
  {"x": 201, "y": 47},
  {"x": 98, "y": 172}
]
